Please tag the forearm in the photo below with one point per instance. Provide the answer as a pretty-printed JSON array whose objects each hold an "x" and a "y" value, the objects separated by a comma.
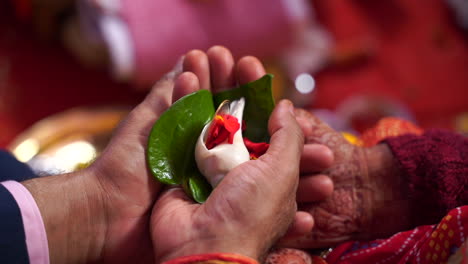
[
  {"x": 72, "y": 213},
  {"x": 391, "y": 203},
  {"x": 435, "y": 168}
]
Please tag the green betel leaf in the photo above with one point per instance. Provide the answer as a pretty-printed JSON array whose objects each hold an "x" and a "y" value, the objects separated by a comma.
[
  {"x": 172, "y": 140},
  {"x": 198, "y": 187},
  {"x": 259, "y": 105}
]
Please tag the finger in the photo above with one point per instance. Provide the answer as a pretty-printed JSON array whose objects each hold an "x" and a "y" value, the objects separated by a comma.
[
  {"x": 156, "y": 102},
  {"x": 287, "y": 139},
  {"x": 249, "y": 69},
  {"x": 171, "y": 199},
  {"x": 310, "y": 124},
  {"x": 185, "y": 84},
  {"x": 159, "y": 98},
  {"x": 303, "y": 224},
  {"x": 196, "y": 61},
  {"x": 221, "y": 68},
  {"x": 314, "y": 188},
  {"x": 315, "y": 157}
]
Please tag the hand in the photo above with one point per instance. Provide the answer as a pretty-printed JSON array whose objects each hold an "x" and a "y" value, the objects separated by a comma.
[
  {"x": 101, "y": 214},
  {"x": 314, "y": 185},
  {"x": 369, "y": 196},
  {"x": 255, "y": 202}
]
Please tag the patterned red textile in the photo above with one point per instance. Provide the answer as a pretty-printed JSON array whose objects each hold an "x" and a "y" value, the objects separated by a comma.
[
  {"x": 388, "y": 127},
  {"x": 292, "y": 256},
  {"x": 424, "y": 244},
  {"x": 436, "y": 168}
]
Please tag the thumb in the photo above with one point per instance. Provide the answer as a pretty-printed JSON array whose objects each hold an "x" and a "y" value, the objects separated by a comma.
[
  {"x": 157, "y": 101},
  {"x": 287, "y": 140}
]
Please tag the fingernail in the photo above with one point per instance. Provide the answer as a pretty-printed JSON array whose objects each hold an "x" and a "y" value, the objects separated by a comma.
[
  {"x": 289, "y": 105},
  {"x": 179, "y": 64},
  {"x": 176, "y": 70}
]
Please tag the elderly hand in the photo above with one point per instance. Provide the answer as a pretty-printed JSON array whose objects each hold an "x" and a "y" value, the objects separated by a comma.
[
  {"x": 101, "y": 214},
  {"x": 249, "y": 209},
  {"x": 368, "y": 196},
  {"x": 255, "y": 203}
]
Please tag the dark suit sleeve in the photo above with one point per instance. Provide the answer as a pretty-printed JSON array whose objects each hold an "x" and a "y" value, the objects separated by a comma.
[
  {"x": 12, "y": 169},
  {"x": 12, "y": 236}
]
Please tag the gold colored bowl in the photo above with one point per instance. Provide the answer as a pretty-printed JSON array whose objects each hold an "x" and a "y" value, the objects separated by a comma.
[{"x": 67, "y": 141}]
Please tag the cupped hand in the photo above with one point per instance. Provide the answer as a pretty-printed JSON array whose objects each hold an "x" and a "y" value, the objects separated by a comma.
[
  {"x": 255, "y": 202},
  {"x": 128, "y": 190},
  {"x": 101, "y": 214},
  {"x": 247, "y": 212},
  {"x": 127, "y": 187}
]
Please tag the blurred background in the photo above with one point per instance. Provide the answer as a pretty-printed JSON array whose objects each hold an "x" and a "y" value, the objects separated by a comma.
[{"x": 71, "y": 69}]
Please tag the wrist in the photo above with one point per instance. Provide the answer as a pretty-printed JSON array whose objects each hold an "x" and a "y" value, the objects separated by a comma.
[
  {"x": 72, "y": 210},
  {"x": 391, "y": 206},
  {"x": 213, "y": 258},
  {"x": 222, "y": 245}
]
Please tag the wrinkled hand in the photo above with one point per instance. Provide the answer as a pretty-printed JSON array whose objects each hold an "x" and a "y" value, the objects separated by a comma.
[
  {"x": 368, "y": 198},
  {"x": 128, "y": 190},
  {"x": 102, "y": 213},
  {"x": 255, "y": 202},
  {"x": 246, "y": 213}
]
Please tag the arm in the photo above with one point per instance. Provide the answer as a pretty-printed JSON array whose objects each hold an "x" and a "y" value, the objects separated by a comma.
[
  {"x": 373, "y": 194},
  {"x": 72, "y": 208},
  {"x": 435, "y": 168},
  {"x": 101, "y": 214},
  {"x": 19, "y": 238},
  {"x": 13, "y": 247}
]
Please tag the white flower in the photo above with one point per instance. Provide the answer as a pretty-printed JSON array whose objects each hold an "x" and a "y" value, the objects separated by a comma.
[{"x": 215, "y": 163}]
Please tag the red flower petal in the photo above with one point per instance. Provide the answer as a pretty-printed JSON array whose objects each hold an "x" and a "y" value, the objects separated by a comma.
[
  {"x": 223, "y": 128},
  {"x": 255, "y": 149},
  {"x": 231, "y": 123}
]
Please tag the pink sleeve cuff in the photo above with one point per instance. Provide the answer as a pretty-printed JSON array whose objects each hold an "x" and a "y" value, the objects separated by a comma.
[{"x": 34, "y": 229}]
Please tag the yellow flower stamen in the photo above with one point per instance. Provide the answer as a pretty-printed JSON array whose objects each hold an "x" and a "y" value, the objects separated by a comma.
[{"x": 219, "y": 117}]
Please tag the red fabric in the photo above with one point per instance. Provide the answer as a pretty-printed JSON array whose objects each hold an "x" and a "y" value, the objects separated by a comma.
[
  {"x": 424, "y": 244},
  {"x": 436, "y": 168},
  {"x": 417, "y": 56},
  {"x": 39, "y": 79},
  {"x": 388, "y": 127}
]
